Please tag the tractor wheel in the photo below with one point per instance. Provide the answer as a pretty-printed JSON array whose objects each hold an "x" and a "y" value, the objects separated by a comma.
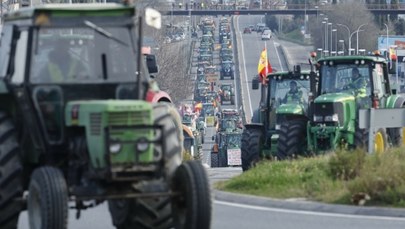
[
  {"x": 380, "y": 140},
  {"x": 47, "y": 199},
  {"x": 222, "y": 159},
  {"x": 214, "y": 160},
  {"x": 166, "y": 115},
  {"x": 192, "y": 207},
  {"x": 251, "y": 144},
  {"x": 10, "y": 175},
  {"x": 142, "y": 212},
  {"x": 397, "y": 136},
  {"x": 291, "y": 139}
]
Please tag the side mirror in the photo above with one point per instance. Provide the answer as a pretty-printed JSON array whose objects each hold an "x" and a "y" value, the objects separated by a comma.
[
  {"x": 151, "y": 63},
  {"x": 255, "y": 83}
]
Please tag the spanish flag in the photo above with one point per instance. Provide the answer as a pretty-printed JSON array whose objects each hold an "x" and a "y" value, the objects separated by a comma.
[{"x": 264, "y": 66}]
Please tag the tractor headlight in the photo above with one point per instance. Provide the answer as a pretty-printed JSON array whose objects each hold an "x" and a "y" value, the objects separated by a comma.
[
  {"x": 142, "y": 145},
  {"x": 277, "y": 126},
  {"x": 332, "y": 118},
  {"x": 115, "y": 147},
  {"x": 318, "y": 118}
]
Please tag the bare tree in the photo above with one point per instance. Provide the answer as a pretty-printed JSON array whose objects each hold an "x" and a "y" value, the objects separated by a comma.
[{"x": 351, "y": 19}]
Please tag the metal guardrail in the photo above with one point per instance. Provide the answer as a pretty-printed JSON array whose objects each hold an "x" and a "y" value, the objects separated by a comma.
[{"x": 372, "y": 119}]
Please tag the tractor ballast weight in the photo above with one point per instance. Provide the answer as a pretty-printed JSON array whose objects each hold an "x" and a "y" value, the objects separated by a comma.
[{"x": 78, "y": 121}]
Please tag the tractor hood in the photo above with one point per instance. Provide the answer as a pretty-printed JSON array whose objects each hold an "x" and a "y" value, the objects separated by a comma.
[
  {"x": 80, "y": 113},
  {"x": 334, "y": 97},
  {"x": 290, "y": 108}
]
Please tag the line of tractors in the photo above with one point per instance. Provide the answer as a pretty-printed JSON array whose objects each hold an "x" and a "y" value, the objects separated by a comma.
[
  {"x": 325, "y": 117},
  {"x": 212, "y": 95}
]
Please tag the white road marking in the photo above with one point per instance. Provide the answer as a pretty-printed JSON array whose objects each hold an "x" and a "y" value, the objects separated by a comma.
[
  {"x": 299, "y": 212},
  {"x": 244, "y": 65}
]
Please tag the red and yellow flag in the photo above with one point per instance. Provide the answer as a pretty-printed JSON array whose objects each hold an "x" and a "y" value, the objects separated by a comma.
[{"x": 264, "y": 67}]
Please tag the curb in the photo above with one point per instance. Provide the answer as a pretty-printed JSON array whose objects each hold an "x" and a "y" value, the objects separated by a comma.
[{"x": 301, "y": 205}]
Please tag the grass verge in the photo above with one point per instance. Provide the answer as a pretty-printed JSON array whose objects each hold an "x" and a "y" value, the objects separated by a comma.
[{"x": 343, "y": 177}]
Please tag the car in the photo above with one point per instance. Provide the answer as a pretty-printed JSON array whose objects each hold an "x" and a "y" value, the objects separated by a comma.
[
  {"x": 247, "y": 30},
  {"x": 266, "y": 35}
]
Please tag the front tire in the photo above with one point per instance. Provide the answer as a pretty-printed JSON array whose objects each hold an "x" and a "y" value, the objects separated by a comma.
[
  {"x": 291, "y": 139},
  {"x": 251, "y": 142},
  {"x": 47, "y": 199},
  {"x": 10, "y": 174},
  {"x": 141, "y": 212},
  {"x": 192, "y": 208},
  {"x": 214, "y": 160}
]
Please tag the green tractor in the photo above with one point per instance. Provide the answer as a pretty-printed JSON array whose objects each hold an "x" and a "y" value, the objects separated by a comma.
[
  {"x": 226, "y": 150},
  {"x": 278, "y": 125},
  {"x": 227, "y": 93},
  {"x": 347, "y": 84},
  {"x": 192, "y": 143},
  {"x": 85, "y": 130}
]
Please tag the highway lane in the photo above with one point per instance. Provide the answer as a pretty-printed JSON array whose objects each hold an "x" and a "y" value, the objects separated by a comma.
[
  {"x": 250, "y": 47},
  {"x": 228, "y": 215}
]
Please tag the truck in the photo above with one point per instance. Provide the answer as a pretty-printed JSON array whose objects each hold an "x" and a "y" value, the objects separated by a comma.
[
  {"x": 267, "y": 136},
  {"x": 88, "y": 130}
]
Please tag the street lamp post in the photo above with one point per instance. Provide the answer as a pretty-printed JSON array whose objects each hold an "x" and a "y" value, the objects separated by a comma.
[
  {"x": 343, "y": 45},
  {"x": 316, "y": 8},
  {"x": 350, "y": 42},
  {"x": 357, "y": 37},
  {"x": 329, "y": 48},
  {"x": 331, "y": 38},
  {"x": 386, "y": 39},
  {"x": 348, "y": 30},
  {"x": 305, "y": 17},
  {"x": 324, "y": 36}
]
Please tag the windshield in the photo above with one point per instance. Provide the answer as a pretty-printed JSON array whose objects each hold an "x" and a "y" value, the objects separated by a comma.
[
  {"x": 226, "y": 87},
  {"x": 65, "y": 55},
  {"x": 337, "y": 78},
  {"x": 283, "y": 92},
  {"x": 234, "y": 140}
]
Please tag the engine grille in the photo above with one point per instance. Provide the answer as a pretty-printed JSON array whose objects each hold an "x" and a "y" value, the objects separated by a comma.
[
  {"x": 128, "y": 118},
  {"x": 328, "y": 109},
  {"x": 95, "y": 123}
]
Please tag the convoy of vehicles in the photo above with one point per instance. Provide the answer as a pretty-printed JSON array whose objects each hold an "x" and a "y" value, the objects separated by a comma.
[{"x": 90, "y": 132}]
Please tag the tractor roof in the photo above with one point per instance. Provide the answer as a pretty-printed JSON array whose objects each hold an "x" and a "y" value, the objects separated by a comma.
[
  {"x": 372, "y": 58},
  {"x": 52, "y": 13}
]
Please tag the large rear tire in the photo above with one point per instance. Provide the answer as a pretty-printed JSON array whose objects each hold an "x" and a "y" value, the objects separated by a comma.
[
  {"x": 10, "y": 175},
  {"x": 166, "y": 115},
  {"x": 380, "y": 140},
  {"x": 397, "y": 136},
  {"x": 192, "y": 208},
  {"x": 252, "y": 140},
  {"x": 291, "y": 139},
  {"x": 47, "y": 199}
]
